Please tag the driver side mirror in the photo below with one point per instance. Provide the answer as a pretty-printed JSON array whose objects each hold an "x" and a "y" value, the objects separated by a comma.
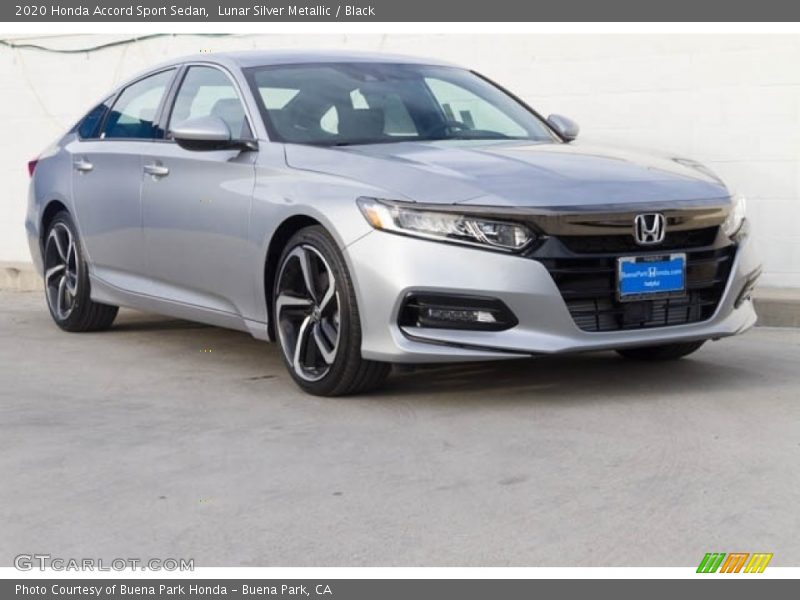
[
  {"x": 565, "y": 127},
  {"x": 208, "y": 133}
]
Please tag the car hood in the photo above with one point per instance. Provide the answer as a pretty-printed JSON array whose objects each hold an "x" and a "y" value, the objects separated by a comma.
[{"x": 517, "y": 174}]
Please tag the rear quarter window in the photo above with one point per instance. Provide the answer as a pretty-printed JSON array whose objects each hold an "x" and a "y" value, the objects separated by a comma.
[{"x": 89, "y": 126}]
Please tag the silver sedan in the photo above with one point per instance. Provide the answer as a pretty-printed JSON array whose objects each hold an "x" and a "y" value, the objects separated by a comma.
[{"x": 364, "y": 210}]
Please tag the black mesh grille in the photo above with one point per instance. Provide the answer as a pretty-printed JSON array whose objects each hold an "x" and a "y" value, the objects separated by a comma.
[
  {"x": 599, "y": 244},
  {"x": 589, "y": 288}
]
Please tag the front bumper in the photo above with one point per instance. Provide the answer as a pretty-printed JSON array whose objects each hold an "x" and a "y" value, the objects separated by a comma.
[{"x": 386, "y": 267}]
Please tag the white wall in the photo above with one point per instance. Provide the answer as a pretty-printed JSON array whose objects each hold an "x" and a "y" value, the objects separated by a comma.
[{"x": 731, "y": 101}]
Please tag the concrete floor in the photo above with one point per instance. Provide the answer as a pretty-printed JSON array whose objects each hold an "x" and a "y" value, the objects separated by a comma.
[{"x": 164, "y": 438}]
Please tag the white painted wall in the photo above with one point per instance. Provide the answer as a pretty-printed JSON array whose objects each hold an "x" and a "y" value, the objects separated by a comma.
[{"x": 731, "y": 101}]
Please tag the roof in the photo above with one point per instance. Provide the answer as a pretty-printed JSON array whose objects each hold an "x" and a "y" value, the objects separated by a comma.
[{"x": 258, "y": 58}]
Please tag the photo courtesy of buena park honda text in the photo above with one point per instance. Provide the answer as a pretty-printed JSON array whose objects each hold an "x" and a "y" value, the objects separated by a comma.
[{"x": 399, "y": 300}]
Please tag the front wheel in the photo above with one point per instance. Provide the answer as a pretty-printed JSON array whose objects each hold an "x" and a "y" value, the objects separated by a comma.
[
  {"x": 662, "y": 352},
  {"x": 316, "y": 318}
]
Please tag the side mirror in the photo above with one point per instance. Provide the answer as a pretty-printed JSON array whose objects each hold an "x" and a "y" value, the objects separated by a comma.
[
  {"x": 565, "y": 127},
  {"x": 208, "y": 133}
]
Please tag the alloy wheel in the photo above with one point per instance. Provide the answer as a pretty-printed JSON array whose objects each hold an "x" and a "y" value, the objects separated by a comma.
[
  {"x": 307, "y": 312},
  {"x": 61, "y": 271}
]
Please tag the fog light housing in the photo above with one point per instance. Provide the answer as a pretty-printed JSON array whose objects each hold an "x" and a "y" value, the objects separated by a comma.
[
  {"x": 747, "y": 288},
  {"x": 444, "y": 311}
]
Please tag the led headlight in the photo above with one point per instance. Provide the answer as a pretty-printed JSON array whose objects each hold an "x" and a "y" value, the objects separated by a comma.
[
  {"x": 735, "y": 219},
  {"x": 445, "y": 226}
]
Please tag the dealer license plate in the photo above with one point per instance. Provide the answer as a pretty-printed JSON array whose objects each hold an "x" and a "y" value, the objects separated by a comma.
[{"x": 646, "y": 277}]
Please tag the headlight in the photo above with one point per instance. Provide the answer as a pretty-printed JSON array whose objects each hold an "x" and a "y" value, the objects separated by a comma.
[
  {"x": 465, "y": 229},
  {"x": 735, "y": 219}
]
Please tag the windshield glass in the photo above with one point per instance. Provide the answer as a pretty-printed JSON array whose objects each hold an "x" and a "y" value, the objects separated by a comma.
[{"x": 372, "y": 103}]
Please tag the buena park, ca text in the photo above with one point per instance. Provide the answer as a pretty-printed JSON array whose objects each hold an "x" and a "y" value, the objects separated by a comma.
[{"x": 183, "y": 589}]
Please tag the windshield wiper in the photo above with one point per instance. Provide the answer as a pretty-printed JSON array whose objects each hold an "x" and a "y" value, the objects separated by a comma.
[
  {"x": 365, "y": 142},
  {"x": 398, "y": 140}
]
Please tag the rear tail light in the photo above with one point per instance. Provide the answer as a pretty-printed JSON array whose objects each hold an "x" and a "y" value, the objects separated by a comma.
[{"x": 32, "y": 166}]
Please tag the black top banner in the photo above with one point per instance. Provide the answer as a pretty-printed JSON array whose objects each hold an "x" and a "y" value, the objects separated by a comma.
[{"x": 400, "y": 11}]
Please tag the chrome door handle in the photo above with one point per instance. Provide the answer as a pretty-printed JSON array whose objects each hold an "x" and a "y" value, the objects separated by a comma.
[
  {"x": 82, "y": 165},
  {"x": 156, "y": 170}
]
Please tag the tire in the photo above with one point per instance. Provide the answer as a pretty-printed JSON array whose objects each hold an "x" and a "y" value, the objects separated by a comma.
[
  {"x": 663, "y": 352},
  {"x": 317, "y": 325},
  {"x": 66, "y": 281}
]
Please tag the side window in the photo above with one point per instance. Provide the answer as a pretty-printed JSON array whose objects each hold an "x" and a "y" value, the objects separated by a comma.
[
  {"x": 89, "y": 126},
  {"x": 206, "y": 92},
  {"x": 133, "y": 114}
]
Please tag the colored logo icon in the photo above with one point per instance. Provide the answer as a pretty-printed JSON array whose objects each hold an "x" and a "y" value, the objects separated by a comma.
[{"x": 735, "y": 562}]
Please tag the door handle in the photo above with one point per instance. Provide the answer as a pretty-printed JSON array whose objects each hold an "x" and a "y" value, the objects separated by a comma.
[
  {"x": 156, "y": 170},
  {"x": 82, "y": 165}
]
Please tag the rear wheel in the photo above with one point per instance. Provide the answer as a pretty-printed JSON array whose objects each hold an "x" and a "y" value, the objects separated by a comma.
[
  {"x": 663, "y": 352},
  {"x": 66, "y": 281},
  {"x": 316, "y": 318}
]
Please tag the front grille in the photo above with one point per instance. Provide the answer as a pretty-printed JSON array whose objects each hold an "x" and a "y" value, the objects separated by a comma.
[
  {"x": 674, "y": 240},
  {"x": 588, "y": 285}
]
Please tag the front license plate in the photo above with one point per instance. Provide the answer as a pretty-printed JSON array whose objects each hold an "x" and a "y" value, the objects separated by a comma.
[{"x": 644, "y": 277}]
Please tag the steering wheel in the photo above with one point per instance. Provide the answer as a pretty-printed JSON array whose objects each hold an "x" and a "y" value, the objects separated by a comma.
[{"x": 442, "y": 127}]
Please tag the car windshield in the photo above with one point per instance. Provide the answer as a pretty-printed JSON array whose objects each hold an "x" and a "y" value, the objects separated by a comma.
[{"x": 373, "y": 103}]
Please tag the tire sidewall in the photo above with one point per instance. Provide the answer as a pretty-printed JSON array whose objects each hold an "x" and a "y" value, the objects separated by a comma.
[
  {"x": 83, "y": 297},
  {"x": 349, "y": 326}
]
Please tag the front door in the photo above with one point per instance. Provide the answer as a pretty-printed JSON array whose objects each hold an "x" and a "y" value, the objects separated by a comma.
[{"x": 196, "y": 204}]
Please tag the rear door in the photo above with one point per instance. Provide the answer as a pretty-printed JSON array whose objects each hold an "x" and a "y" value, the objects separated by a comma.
[
  {"x": 107, "y": 177},
  {"x": 196, "y": 204}
]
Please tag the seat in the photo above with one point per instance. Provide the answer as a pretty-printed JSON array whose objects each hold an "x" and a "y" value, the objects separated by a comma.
[
  {"x": 121, "y": 125},
  {"x": 295, "y": 124},
  {"x": 231, "y": 111},
  {"x": 361, "y": 123}
]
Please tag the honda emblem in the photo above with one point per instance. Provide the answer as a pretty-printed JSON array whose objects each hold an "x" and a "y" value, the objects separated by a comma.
[{"x": 649, "y": 229}]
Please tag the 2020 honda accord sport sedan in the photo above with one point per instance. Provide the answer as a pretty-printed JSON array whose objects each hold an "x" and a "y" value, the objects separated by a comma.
[{"x": 363, "y": 210}]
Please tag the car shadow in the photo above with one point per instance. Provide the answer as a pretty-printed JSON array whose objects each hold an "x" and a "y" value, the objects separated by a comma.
[
  {"x": 570, "y": 378},
  {"x": 563, "y": 378},
  {"x": 155, "y": 323}
]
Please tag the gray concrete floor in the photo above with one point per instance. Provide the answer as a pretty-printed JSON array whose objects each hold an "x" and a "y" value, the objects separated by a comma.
[{"x": 140, "y": 442}]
